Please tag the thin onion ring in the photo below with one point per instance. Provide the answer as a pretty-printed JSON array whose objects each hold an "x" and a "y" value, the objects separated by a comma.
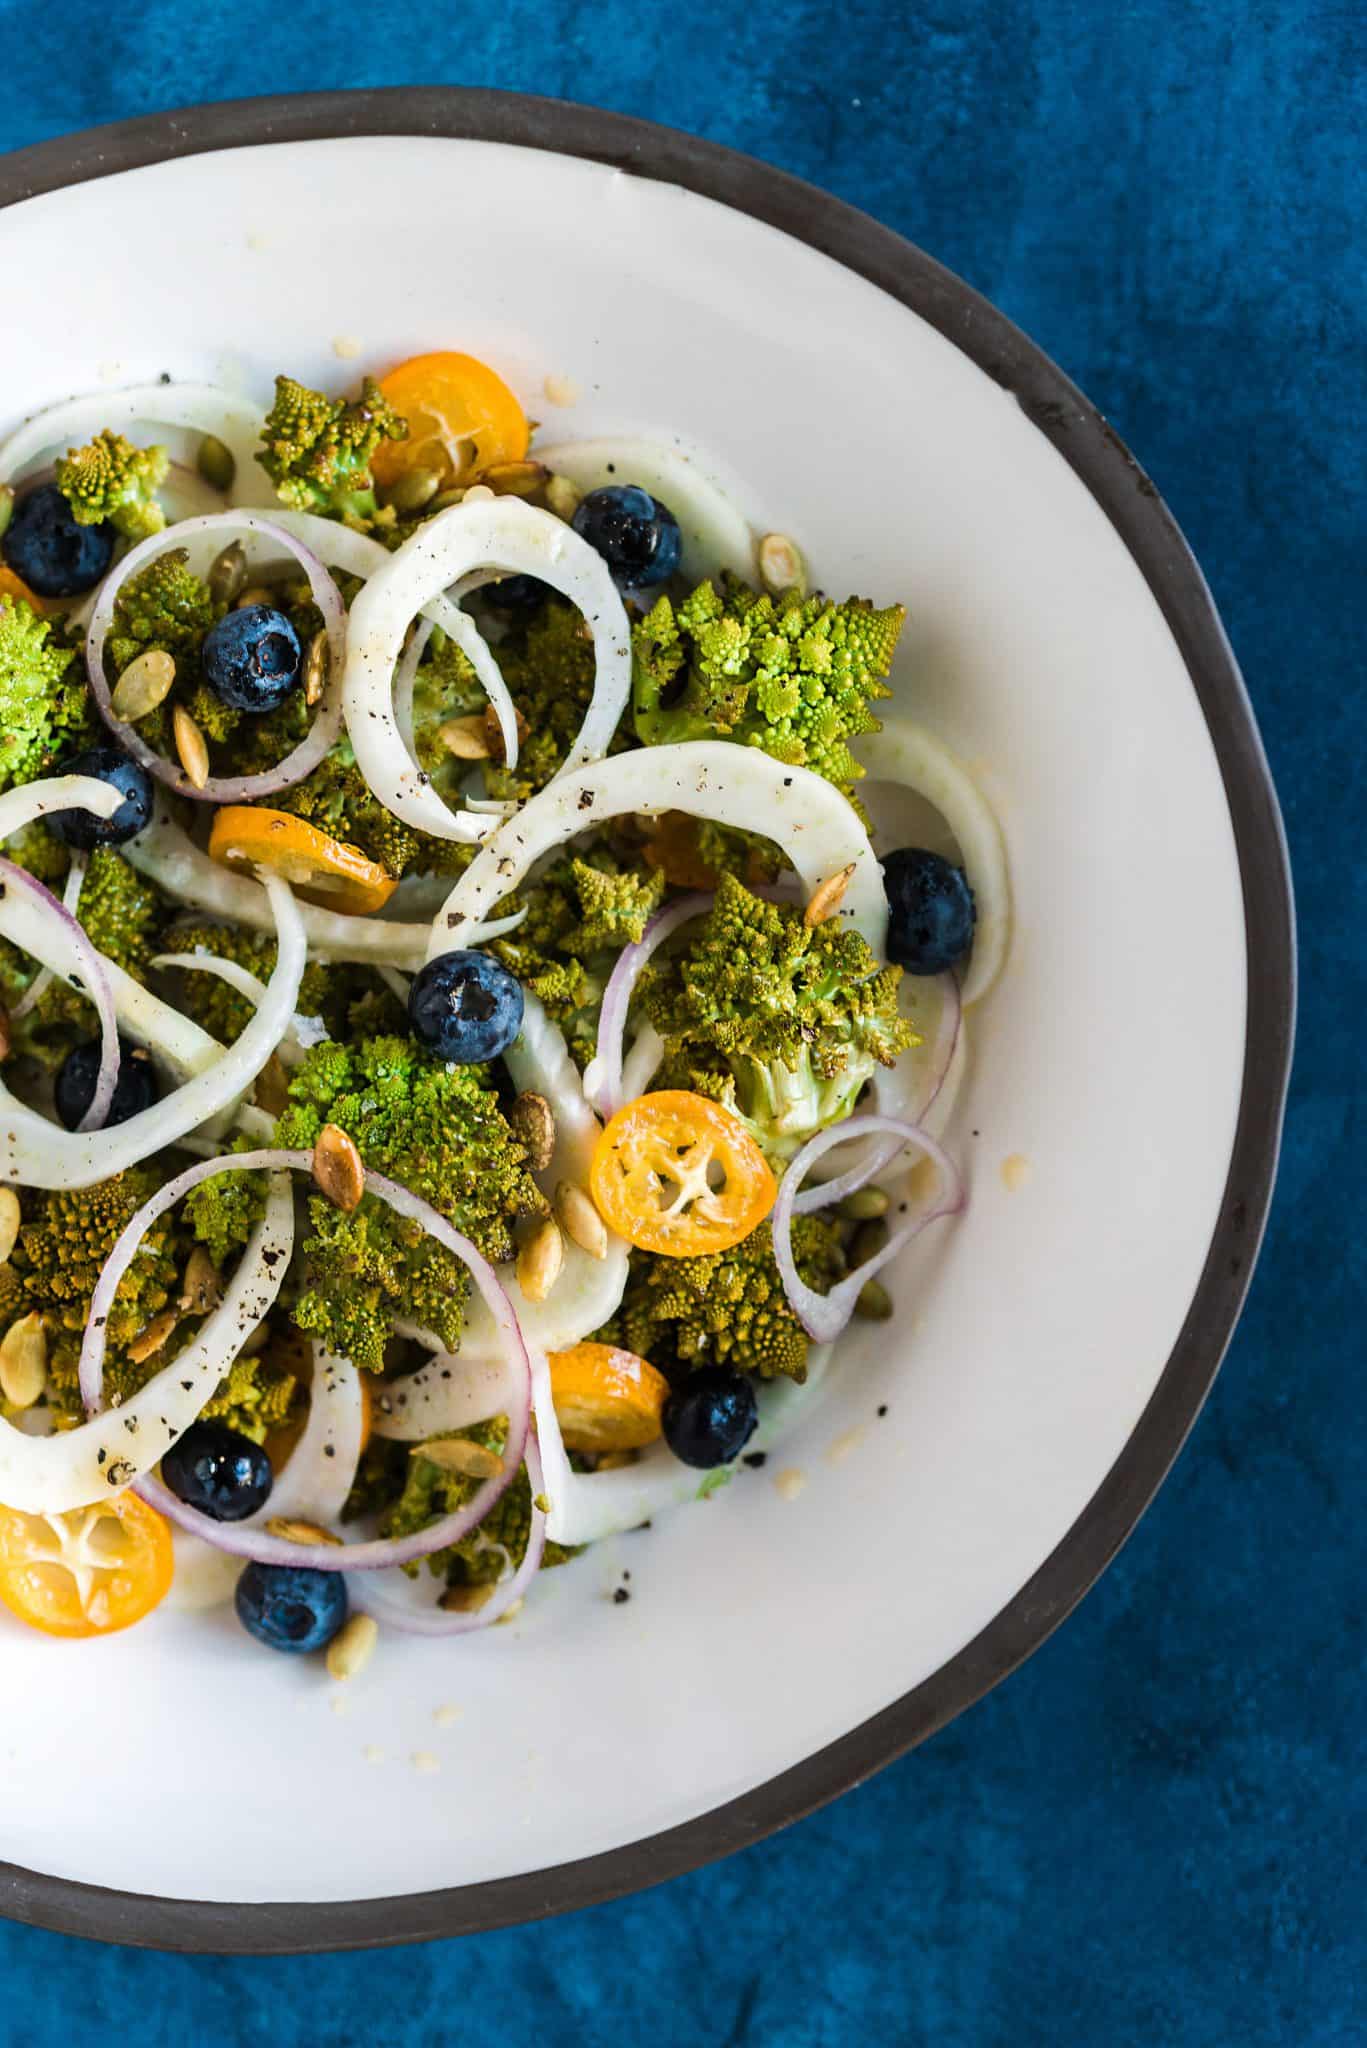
[{"x": 92, "y": 981}]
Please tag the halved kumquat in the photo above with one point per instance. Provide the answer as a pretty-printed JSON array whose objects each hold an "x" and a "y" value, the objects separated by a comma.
[
  {"x": 325, "y": 870},
  {"x": 461, "y": 418},
  {"x": 606, "y": 1399},
  {"x": 676, "y": 1173},
  {"x": 89, "y": 1572}
]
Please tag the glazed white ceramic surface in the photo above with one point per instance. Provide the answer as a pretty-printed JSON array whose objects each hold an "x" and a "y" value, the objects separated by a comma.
[{"x": 1108, "y": 1060}]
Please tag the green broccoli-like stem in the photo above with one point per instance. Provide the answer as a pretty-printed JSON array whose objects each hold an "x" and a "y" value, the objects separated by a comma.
[
  {"x": 794, "y": 676},
  {"x": 417, "y": 1492},
  {"x": 110, "y": 479},
  {"x": 44, "y": 706},
  {"x": 317, "y": 450}
]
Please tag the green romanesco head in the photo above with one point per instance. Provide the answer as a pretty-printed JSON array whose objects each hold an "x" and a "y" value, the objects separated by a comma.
[
  {"x": 794, "y": 676},
  {"x": 581, "y": 911},
  {"x": 783, "y": 1021},
  {"x": 122, "y": 912},
  {"x": 727, "y": 1308},
  {"x": 337, "y": 799},
  {"x": 549, "y": 666},
  {"x": 327, "y": 991},
  {"x": 255, "y": 1396},
  {"x": 164, "y": 605},
  {"x": 111, "y": 479},
  {"x": 418, "y": 1492},
  {"x": 44, "y": 707},
  {"x": 439, "y": 1131},
  {"x": 317, "y": 450}
]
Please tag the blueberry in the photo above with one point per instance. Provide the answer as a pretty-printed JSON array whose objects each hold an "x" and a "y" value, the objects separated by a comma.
[
  {"x": 516, "y": 593},
  {"x": 636, "y": 535},
  {"x": 82, "y": 828},
  {"x": 289, "y": 1607},
  {"x": 222, "y": 1474},
  {"x": 930, "y": 904},
  {"x": 709, "y": 1419},
  {"x": 135, "y": 1090},
  {"x": 54, "y": 555},
  {"x": 465, "y": 1007},
  {"x": 252, "y": 658}
]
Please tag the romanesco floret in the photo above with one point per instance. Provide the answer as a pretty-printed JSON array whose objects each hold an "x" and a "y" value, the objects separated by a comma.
[
  {"x": 317, "y": 450},
  {"x": 44, "y": 708},
  {"x": 581, "y": 911},
  {"x": 165, "y": 605},
  {"x": 122, "y": 912},
  {"x": 429, "y": 1492},
  {"x": 337, "y": 799},
  {"x": 256, "y": 1396},
  {"x": 549, "y": 666},
  {"x": 794, "y": 676},
  {"x": 781, "y": 1020},
  {"x": 327, "y": 991},
  {"x": 439, "y": 1131},
  {"x": 111, "y": 479},
  {"x": 727, "y": 1308}
]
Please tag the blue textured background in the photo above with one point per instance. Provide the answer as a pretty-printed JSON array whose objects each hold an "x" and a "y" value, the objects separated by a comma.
[{"x": 1153, "y": 1834}]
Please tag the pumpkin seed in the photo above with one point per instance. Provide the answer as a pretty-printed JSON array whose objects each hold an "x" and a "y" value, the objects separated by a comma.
[
  {"x": 23, "y": 1361},
  {"x": 6, "y": 1035},
  {"x": 9, "y": 1223},
  {"x": 149, "y": 1342},
  {"x": 191, "y": 746},
  {"x": 201, "y": 1289},
  {"x": 466, "y": 738},
  {"x": 865, "y": 1205},
  {"x": 6, "y": 507},
  {"x": 781, "y": 566},
  {"x": 466, "y": 1599},
  {"x": 459, "y": 1454},
  {"x": 873, "y": 1302},
  {"x": 562, "y": 497},
  {"x": 514, "y": 479},
  {"x": 493, "y": 732},
  {"x": 216, "y": 463},
  {"x": 337, "y": 1168},
  {"x": 533, "y": 1122},
  {"x": 827, "y": 898},
  {"x": 580, "y": 1220},
  {"x": 292, "y": 1529},
  {"x": 144, "y": 684},
  {"x": 476, "y": 494},
  {"x": 273, "y": 1086},
  {"x": 316, "y": 667},
  {"x": 868, "y": 1241},
  {"x": 444, "y": 500},
  {"x": 353, "y": 1646},
  {"x": 228, "y": 573},
  {"x": 412, "y": 489},
  {"x": 540, "y": 1260},
  {"x": 255, "y": 593}
]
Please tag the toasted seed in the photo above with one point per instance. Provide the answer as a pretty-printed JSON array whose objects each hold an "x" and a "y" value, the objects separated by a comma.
[
  {"x": 781, "y": 566},
  {"x": 865, "y": 1205},
  {"x": 216, "y": 463},
  {"x": 23, "y": 1361},
  {"x": 412, "y": 489},
  {"x": 6, "y": 507},
  {"x": 459, "y": 1454},
  {"x": 493, "y": 732},
  {"x": 6, "y": 1035},
  {"x": 614, "y": 1461},
  {"x": 191, "y": 746},
  {"x": 466, "y": 738},
  {"x": 297, "y": 592},
  {"x": 316, "y": 667},
  {"x": 873, "y": 1302},
  {"x": 867, "y": 1241},
  {"x": 273, "y": 1086},
  {"x": 201, "y": 1287},
  {"x": 292, "y": 1529},
  {"x": 255, "y": 593},
  {"x": 562, "y": 497},
  {"x": 254, "y": 1341},
  {"x": 580, "y": 1220},
  {"x": 337, "y": 1168},
  {"x": 533, "y": 1122},
  {"x": 444, "y": 500},
  {"x": 514, "y": 479},
  {"x": 149, "y": 1342},
  {"x": 540, "y": 1260},
  {"x": 144, "y": 684},
  {"x": 510, "y": 1612},
  {"x": 9, "y": 1223},
  {"x": 353, "y": 1646},
  {"x": 476, "y": 493},
  {"x": 466, "y": 1599},
  {"x": 228, "y": 573},
  {"x": 828, "y": 896}
]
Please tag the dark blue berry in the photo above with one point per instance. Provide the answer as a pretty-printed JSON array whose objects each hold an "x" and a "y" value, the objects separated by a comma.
[
  {"x": 930, "y": 910},
  {"x": 54, "y": 555},
  {"x": 710, "y": 1419},
  {"x": 289, "y": 1607},
  {"x": 214, "y": 1469},
  {"x": 83, "y": 828},
  {"x": 516, "y": 593},
  {"x": 636, "y": 535},
  {"x": 465, "y": 1007},
  {"x": 135, "y": 1090},
  {"x": 252, "y": 658}
]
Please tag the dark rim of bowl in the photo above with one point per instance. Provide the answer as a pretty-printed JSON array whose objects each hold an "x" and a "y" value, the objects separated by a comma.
[{"x": 1132, "y": 504}]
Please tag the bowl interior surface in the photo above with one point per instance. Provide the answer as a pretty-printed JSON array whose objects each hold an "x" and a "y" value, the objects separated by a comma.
[{"x": 1109, "y": 1059}]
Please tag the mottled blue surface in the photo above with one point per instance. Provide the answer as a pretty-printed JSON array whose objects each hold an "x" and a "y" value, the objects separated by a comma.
[{"x": 1151, "y": 1835}]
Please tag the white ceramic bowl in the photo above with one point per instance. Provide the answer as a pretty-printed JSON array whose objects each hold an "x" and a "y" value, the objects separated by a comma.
[{"x": 1050, "y": 1354}]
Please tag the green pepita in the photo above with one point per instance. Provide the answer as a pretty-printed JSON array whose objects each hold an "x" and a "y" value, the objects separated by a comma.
[
  {"x": 6, "y": 506},
  {"x": 865, "y": 1205},
  {"x": 145, "y": 683},
  {"x": 316, "y": 668},
  {"x": 412, "y": 489},
  {"x": 216, "y": 463},
  {"x": 228, "y": 574},
  {"x": 873, "y": 1302},
  {"x": 868, "y": 1241}
]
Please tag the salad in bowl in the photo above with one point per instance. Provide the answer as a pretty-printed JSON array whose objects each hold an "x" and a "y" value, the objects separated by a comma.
[{"x": 464, "y": 1063}]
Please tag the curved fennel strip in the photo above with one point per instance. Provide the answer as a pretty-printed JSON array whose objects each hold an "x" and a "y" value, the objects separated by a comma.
[
  {"x": 908, "y": 753},
  {"x": 356, "y": 554},
  {"x": 203, "y": 408},
  {"x": 49, "y": 1475},
  {"x": 167, "y": 855},
  {"x": 303, "y": 1031},
  {"x": 43, "y": 1155},
  {"x": 585, "y": 1506},
  {"x": 321, "y": 1468},
  {"x": 804, "y": 814},
  {"x": 715, "y": 535},
  {"x": 497, "y": 533}
]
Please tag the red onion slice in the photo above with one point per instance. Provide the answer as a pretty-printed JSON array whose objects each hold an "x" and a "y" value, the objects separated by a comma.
[
  {"x": 255, "y": 1544},
  {"x": 322, "y": 735},
  {"x": 91, "y": 978},
  {"x": 71, "y": 903},
  {"x": 399, "y": 1606},
  {"x": 603, "y": 1074},
  {"x": 824, "y": 1316}
]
